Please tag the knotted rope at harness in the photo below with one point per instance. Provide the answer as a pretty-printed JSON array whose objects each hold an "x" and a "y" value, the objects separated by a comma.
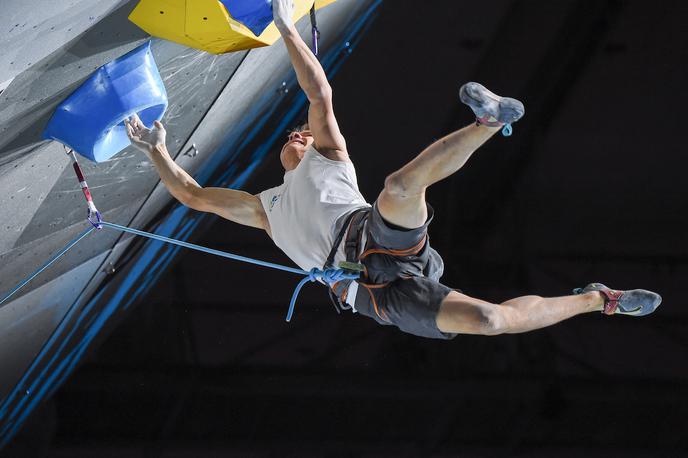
[{"x": 329, "y": 276}]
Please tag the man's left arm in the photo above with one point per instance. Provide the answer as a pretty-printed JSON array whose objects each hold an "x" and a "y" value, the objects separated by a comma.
[{"x": 312, "y": 79}]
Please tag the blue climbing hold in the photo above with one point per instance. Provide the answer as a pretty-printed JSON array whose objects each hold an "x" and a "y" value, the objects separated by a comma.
[
  {"x": 91, "y": 119},
  {"x": 254, "y": 14}
]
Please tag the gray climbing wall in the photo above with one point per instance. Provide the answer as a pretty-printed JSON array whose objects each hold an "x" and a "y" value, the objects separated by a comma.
[{"x": 212, "y": 100}]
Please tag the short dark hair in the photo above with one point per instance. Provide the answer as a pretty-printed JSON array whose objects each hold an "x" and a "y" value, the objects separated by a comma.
[{"x": 300, "y": 128}]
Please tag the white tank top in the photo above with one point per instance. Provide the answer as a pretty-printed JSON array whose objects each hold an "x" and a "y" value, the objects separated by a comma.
[{"x": 305, "y": 211}]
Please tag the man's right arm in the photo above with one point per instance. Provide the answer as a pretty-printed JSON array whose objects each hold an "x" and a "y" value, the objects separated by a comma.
[
  {"x": 234, "y": 205},
  {"x": 313, "y": 80}
]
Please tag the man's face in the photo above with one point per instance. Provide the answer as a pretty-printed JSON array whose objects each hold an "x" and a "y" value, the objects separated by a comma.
[{"x": 293, "y": 151}]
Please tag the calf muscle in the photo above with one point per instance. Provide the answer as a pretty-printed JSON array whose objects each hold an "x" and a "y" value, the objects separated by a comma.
[{"x": 467, "y": 315}]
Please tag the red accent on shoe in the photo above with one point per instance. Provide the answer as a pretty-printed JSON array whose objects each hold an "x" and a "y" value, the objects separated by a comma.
[
  {"x": 611, "y": 302},
  {"x": 486, "y": 122}
]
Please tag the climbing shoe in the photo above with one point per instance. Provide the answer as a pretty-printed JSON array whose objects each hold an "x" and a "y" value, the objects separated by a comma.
[
  {"x": 491, "y": 109},
  {"x": 635, "y": 302}
]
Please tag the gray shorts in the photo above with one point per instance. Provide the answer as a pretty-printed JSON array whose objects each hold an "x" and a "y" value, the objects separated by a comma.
[{"x": 401, "y": 286}]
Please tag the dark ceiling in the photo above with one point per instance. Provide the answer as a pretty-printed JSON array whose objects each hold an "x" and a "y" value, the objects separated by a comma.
[{"x": 590, "y": 187}]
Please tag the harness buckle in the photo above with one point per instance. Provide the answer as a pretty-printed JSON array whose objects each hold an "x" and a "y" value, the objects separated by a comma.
[{"x": 351, "y": 266}]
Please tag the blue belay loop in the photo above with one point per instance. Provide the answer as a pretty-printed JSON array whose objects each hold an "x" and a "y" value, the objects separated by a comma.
[
  {"x": 329, "y": 276},
  {"x": 507, "y": 130}
]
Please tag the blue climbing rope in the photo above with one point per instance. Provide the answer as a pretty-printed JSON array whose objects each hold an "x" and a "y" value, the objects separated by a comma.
[
  {"x": 192, "y": 246},
  {"x": 328, "y": 276},
  {"x": 47, "y": 264}
]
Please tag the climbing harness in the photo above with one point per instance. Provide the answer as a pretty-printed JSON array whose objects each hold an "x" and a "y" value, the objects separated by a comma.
[
  {"x": 328, "y": 275},
  {"x": 350, "y": 234}
]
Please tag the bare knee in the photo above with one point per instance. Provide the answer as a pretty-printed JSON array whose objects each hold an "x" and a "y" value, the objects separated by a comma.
[
  {"x": 394, "y": 184},
  {"x": 489, "y": 320},
  {"x": 399, "y": 184},
  {"x": 494, "y": 320},
  {"x": 465, "y": 315}
]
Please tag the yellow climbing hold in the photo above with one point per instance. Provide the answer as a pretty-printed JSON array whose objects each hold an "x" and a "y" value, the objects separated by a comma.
[{"x": 206, "y": 24}]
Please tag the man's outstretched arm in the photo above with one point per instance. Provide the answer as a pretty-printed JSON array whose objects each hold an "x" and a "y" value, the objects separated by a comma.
[
  {"x": 313, "y": 81},
  {"x": 234, "y": 205}
]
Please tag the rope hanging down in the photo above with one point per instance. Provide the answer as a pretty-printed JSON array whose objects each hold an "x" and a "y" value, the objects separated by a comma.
[{"x": 328, "y": 276}]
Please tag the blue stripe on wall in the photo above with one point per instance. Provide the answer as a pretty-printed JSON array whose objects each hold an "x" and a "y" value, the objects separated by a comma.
[{"x": 40, "y": 382}]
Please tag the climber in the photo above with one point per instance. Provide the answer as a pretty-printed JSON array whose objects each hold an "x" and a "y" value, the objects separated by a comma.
[{"x": 318, "y": 217}]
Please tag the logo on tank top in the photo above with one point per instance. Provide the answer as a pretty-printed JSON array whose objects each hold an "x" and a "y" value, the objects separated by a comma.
[{"x": 274, "y": 200}]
